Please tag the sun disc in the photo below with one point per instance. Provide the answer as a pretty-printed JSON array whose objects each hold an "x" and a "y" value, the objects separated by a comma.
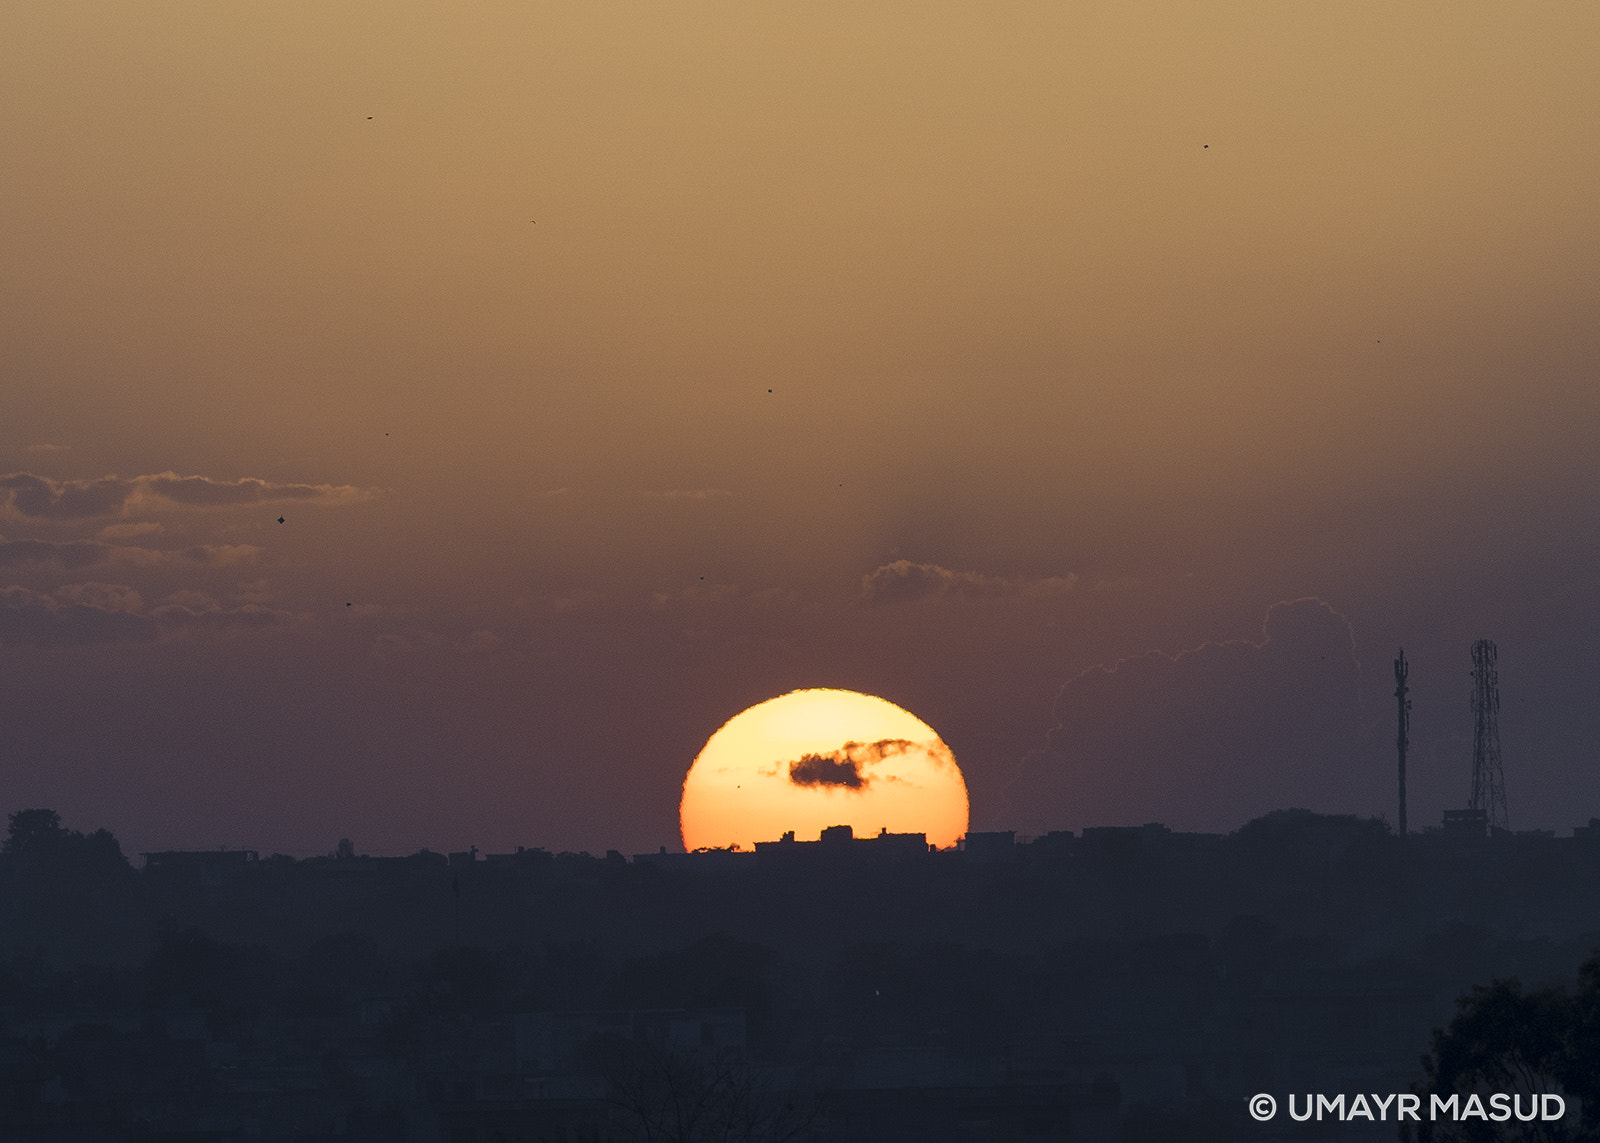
[{"x": 817, "y": 758}]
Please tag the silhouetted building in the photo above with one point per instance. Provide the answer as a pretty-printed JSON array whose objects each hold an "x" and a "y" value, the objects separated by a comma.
[
  {"x": 198, "y": 866},
  {"x": 838, "y": 845},
  {"x": 1000, "y": 845},
  {"x": 1134, "y": 983},
  {"x": 1466, "y": 823},
  {"x": 720, "y": 861}
]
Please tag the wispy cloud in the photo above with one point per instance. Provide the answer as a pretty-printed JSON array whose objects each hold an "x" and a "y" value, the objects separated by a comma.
[
  {"x": 903, "y": 581},
  {"x": 33, "y": 497},
  {"x": 88, "y": 614},
  {"x": 92, "y": 614},
  {"x": 74, "y": 555},
  {"x": 190, "y": 611},
  {"x": 131, "y": 531},
  {"x": 1211, "y": 734}
]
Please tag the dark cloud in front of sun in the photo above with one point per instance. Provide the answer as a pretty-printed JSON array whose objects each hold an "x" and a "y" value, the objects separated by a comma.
[
  {"x": 36, "y": 497},
  {"x": 843, "y": 768},
  {"x": 826, "y": 770}
]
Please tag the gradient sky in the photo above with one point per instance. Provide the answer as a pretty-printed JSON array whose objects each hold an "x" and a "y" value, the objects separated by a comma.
[{"x": 617, "y": 367}]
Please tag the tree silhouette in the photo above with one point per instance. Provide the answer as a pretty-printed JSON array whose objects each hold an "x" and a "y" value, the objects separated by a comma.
[
  {"x": 32, "y": 832},
  {"x": 667, "y": 1095},
  {"x": 1505, "y": 1039},
  {"x": 36, "y": 842}
]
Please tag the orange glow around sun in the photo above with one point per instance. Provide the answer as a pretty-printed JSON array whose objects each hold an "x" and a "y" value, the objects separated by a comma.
[{"x": 817, "y": 758}]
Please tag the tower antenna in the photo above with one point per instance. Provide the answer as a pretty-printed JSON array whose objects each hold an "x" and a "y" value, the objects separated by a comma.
[
  {"x": 1488, "y": 780},
  {"x": 1403, "y": 735}
]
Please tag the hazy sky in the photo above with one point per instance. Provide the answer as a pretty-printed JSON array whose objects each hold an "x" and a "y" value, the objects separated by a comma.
[{"x": 616, "y": 367}]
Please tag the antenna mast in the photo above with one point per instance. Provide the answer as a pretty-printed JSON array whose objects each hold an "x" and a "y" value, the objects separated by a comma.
[
  {"x": 1488, "y": 780},
  {"x": 1403, "y": 736}
]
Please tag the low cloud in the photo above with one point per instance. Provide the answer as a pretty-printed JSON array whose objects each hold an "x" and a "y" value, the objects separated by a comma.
[
  {"x": 203, "y": 492},
  {"x": 1207, "y": 738},
  {"x": 843, "y": 768},
  {"x": 217, "y": 555},
  {"x": 72, "y": 556},
  {"x": 75, "y": 555},
  {"x": 254, "y": 591},
  {"x": 903, "y": 581},
  {"x": 106, "y": 596},
  {"x": 40, "y": 498},
  {"x": 130, "y": 531},
  {"x": 192, "y": 612},
  {"x": 73, "y": 618},
  {"x": 86, "y": 614},
  {"x": 32, "y": 497}
]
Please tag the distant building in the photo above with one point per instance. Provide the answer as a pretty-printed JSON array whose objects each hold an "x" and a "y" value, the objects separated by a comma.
[
  {"x": 1466, "y": 823},
  {"x": 198, "y": 866},
  {"x": 999, "y": 845},
  {"x": 1056, "y": 843},
  {"x": 838, "y": 845},
  {"x": 701, "y": 861},
  {"x": 522, "y": 857}
]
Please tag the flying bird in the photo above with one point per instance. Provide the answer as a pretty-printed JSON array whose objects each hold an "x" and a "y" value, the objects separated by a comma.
[{"x": 280, "y": 519}]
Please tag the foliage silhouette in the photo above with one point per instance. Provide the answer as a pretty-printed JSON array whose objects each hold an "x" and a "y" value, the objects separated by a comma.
[
  {"x": 1506, "y": 1039},
  {"x": 662, "y": 1094}
]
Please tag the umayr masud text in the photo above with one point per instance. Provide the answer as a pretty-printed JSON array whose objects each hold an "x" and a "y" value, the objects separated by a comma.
[{"x": 1499, "y": 1108}]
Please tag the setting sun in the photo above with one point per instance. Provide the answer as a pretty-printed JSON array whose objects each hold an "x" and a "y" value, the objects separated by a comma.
[{"x": 816, "y": 758}]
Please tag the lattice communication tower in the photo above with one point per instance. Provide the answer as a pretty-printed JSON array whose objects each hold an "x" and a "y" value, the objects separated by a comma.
[{"x": 1488, "y": 780}]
